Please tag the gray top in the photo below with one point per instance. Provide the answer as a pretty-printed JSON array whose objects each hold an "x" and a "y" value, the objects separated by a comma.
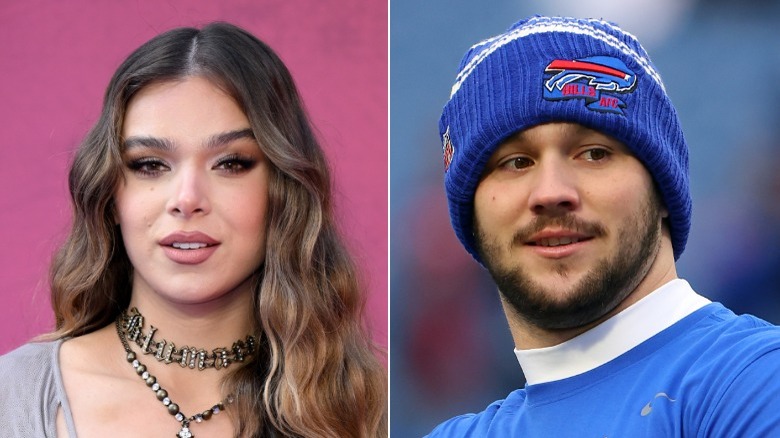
[{"x": 31, "y": 392}]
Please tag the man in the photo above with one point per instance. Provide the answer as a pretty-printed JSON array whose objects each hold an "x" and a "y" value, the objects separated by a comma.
[{"x": 567, "y": 178}]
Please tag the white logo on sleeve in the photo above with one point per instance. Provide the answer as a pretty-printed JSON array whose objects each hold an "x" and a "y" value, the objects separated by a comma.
[{"x": 649, "y": 406}]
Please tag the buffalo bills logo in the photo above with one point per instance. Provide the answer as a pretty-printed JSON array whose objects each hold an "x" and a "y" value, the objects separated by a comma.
[
  {"x": 447, "y": 149},
  {"x": 596, "y": 79}
]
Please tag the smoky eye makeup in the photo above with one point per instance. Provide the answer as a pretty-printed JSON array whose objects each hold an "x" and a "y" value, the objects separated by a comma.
[
  {"x": 146, "y": 166},
  {"x": 236, "y": 163}
]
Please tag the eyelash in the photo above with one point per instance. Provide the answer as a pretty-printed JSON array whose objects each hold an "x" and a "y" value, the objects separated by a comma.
[
  {"x": 508, "y": 163},
  {"x": 606, "y": 153},
  {"x": 244, "y": 163},
  {"x": 232, "y": 164},
  {"x": 143, "y": 166}
]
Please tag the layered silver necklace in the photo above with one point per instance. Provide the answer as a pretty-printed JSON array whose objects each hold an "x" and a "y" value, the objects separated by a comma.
[{"x": 124, "y": 326}]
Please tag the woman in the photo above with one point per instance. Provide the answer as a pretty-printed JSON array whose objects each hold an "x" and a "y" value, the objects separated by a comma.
[{"x": 203, "y": 271}]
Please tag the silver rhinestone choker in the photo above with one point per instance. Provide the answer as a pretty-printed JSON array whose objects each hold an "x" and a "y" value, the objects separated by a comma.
[{"x": 131, "y": 325}]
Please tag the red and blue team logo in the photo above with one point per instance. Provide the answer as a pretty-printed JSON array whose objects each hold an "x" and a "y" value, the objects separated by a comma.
[
  {"x": 599, "y": 80},
  {"x": 447, "y": 149}
]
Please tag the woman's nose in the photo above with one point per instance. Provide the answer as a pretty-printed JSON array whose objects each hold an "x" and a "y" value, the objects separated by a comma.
[{"x": 189, "y": 195}]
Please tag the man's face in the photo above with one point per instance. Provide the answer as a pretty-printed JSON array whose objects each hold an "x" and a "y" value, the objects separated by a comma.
[{"x": 567, "y": 222}]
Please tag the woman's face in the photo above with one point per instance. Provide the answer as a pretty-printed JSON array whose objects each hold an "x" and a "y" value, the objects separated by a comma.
[{"x": 192, "y": 204}]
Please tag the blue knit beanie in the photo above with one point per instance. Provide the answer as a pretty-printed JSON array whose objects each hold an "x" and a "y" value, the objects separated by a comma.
[{"x": 554, "y": 69}]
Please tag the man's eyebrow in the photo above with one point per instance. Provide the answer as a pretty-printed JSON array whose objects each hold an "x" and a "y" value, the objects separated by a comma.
[
  {"x": 162, "y": 144},
  {"x": 224, "y": 138}
]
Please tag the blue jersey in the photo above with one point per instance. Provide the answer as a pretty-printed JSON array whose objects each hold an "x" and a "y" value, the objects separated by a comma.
[{"x": 711, "y": 374}]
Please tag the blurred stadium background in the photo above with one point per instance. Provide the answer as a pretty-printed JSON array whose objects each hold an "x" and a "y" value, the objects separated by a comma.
[{"x": 720, "y": 60}]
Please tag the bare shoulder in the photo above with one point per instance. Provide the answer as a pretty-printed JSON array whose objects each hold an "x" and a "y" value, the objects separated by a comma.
[
  {"x": 91, "y": 353},
  {"x": 90, "y": 362},
  {"x": 89, "y": 366}
]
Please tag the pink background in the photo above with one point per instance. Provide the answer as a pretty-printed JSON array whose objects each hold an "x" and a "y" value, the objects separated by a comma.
[{"x": 56, "y": 59}]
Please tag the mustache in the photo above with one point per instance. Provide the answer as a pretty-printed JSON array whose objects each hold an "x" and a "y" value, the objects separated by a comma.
[{"x": 567, "y": 222}]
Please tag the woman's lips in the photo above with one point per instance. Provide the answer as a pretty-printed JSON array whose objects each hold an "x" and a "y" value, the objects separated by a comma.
[
  {"x": 189, "y": 256},
  {"x": 189, "y": 247}
]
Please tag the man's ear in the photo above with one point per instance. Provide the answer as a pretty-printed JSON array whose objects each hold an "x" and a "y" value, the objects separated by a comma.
[{"x": 661, "y": 204}]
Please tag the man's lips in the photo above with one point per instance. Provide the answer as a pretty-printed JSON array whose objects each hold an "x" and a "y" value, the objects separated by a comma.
[
  {"x": 554, "y": 238},
  {"x": 559, "y": 244}
]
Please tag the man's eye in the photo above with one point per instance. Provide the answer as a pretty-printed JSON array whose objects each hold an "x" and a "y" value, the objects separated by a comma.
[
  {"x": 597, "y": 154},
  {"x": 517, "y": 163}
]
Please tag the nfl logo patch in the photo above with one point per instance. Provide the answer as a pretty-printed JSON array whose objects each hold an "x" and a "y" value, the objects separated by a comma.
[
  {"x": 600, "y": 81},
  {"x": 447, "y": 149}
]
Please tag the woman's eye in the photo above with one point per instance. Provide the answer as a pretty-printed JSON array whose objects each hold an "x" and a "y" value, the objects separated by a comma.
[
  {"x": 235, "y": 164},
  {"x": 597, "y": 154},
  {"x": 147, "y": 166},
  {"x": 517, "y": 163}
]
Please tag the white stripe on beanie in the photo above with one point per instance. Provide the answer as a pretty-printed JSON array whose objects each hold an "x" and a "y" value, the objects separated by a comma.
[{"x": 549, "y": 25}]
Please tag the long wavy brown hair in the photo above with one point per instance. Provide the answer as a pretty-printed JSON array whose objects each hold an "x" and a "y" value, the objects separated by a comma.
[{"x": 317, "y": 374}]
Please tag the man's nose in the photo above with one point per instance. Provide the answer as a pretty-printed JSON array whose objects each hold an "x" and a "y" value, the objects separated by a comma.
[{"x": 554, "y": 188}]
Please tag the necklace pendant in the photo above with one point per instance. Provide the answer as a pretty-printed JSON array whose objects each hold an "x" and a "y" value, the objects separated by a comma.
[{"x": 185, "y": 433}]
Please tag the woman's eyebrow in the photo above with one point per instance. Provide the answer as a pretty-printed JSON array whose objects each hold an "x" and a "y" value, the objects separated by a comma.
[
  {"x": 218, "y": 140},
  {"x": 148, "y": 141}
]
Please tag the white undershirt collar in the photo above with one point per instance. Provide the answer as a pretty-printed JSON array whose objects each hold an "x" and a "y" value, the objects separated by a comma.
[{"x": 647, "y": 317}]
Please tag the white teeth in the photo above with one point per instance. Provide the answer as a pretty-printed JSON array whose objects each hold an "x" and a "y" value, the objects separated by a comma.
[
  {"x": 557, "y": 241},
  {"x": 184, "y": 245}
]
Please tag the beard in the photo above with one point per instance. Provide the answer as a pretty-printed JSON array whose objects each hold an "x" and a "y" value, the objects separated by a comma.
[{"x": 605, "y": 286}]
